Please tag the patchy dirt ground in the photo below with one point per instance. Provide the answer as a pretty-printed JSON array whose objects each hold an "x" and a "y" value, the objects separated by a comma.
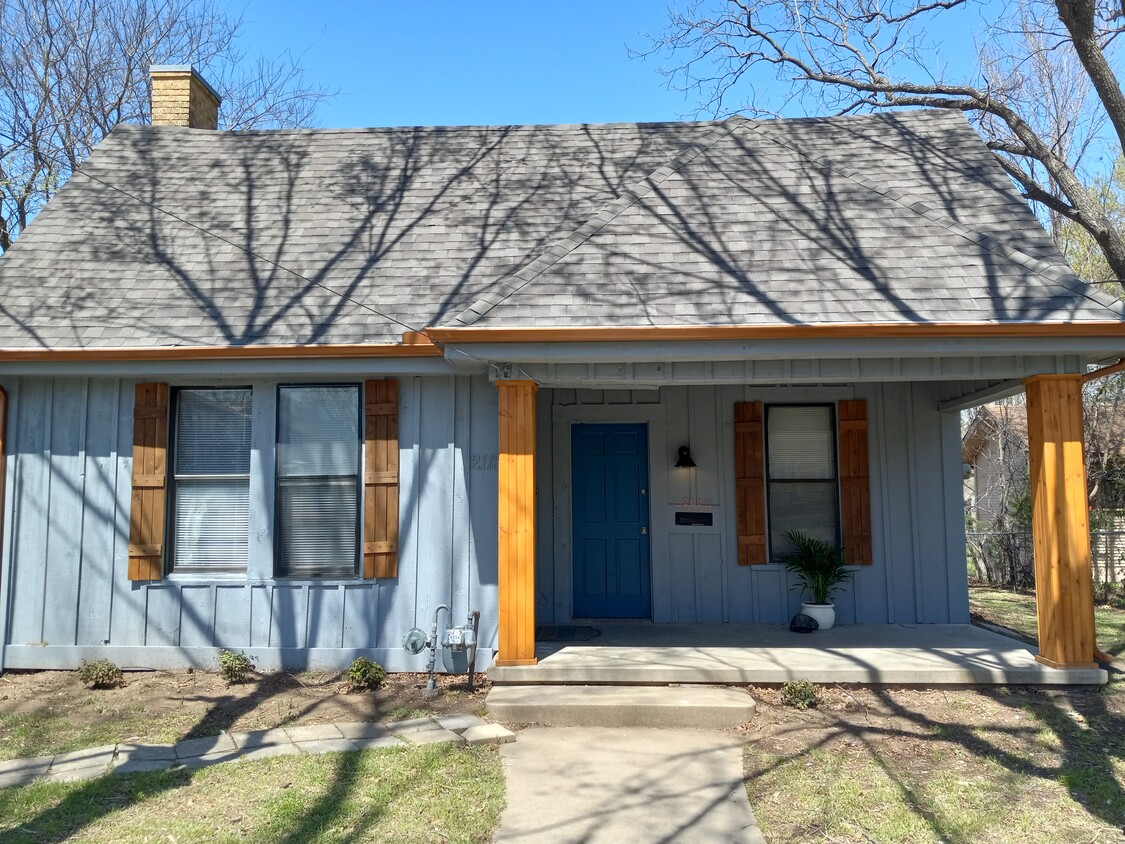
[{"x": 50, "y": 711}]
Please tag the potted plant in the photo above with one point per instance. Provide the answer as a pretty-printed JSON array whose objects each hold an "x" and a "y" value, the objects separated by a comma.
[{"x": 819, "y": 569}]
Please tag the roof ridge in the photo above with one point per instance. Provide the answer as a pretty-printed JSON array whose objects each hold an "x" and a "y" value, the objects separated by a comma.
[
  {"x": 986, "y": 242},
  {"x": 506, "y": 287}
]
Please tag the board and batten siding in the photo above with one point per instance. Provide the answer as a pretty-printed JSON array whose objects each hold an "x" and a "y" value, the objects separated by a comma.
[
  {"x": 918, "y": 573},
  {"x": 64, "y": 568}
]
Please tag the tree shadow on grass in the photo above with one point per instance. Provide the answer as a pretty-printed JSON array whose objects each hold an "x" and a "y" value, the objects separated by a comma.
[
  {"x": 98, "y": 798},
  {"x": 1067, "y": 737}
]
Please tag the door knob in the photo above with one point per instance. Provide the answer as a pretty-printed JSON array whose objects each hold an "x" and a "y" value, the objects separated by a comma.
[{"x": 644, "y": 531}]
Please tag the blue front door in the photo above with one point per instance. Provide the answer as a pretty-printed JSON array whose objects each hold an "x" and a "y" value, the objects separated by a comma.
[{"x": 610, "y": 507}]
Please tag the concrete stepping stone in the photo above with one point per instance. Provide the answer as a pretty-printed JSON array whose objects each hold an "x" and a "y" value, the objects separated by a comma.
[
  {"x": 488, "y": 734},
  {"x": 329, "y": 745},
  {"x": 412, "y": 725},
  {"x": 363, "y": 730},
  {"x": 260, "y": 738},
  {"x": 268, "y": 751},
  {"x": 433, "y": 737},
  {"x": 22, "y": 771},
  {"x": 136, "y": 766},
  {"x": 130, "y": 752},
  {"x": 81, "y": 764},
  {"x": 191, "y": 748},
  {"x": 459, "y": 723},
  {"x": 376, "y": 743},
  {"x": 211, "y": 758},
  {"x": 313, "y": 732}
]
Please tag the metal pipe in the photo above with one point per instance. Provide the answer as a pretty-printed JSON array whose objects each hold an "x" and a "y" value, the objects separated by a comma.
[
  {"x": 431, "y": 684},
  {"x": 474, "y": 619}
]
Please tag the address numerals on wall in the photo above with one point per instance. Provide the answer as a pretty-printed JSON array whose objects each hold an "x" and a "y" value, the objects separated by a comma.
[{"x": 484, "y": 462}]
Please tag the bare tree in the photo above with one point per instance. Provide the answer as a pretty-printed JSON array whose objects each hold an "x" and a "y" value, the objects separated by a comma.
[
  {"x": 1043, "y": 90},
  {"x": 71, "y": 70},
  {"x": 1083, "y": 255}
]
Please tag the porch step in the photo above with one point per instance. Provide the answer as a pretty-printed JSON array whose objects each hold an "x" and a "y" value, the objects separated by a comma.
[{"x": 697, "y": 707}]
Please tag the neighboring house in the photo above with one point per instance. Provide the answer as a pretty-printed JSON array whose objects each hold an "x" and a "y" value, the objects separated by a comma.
[
  {"x": 994, "y": 448},
  {"x": 288, "y": 391}
]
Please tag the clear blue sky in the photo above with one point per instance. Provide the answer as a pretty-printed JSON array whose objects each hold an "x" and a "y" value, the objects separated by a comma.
[{"x": 425, "y": 62}]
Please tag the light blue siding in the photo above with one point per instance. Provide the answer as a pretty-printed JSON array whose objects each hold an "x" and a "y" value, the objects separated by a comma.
[
  {"x": 68, "y": 483},
  {"x": 918, "y": 573},
  {"x": 65, "y": 555}
]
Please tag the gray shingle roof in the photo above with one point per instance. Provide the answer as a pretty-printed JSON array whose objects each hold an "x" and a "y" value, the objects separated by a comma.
[{"x": 179, "y": 237}]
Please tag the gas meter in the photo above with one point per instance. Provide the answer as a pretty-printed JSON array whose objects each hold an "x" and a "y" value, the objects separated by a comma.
[{"x": 458, "y": 648}]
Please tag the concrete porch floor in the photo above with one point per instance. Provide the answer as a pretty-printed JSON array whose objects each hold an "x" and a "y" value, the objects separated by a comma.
[{"x": 915, "y": 654}]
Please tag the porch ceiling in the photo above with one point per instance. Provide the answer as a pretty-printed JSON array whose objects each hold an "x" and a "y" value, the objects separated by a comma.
[{"x": 895, "y": 654}]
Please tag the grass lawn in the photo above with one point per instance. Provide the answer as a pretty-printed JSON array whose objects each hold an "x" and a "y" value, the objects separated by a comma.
[
  {"x": 429, "y": 794},
  {"x": 957, "y": 766},
  {"x": 991, "y": 765},
  {"x": 1017, "y": 611}
]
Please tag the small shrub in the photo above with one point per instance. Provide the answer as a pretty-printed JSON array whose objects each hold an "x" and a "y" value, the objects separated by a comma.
[
  {"x": 100, "y": 674},
  {"x": 365, "y": 675},
  {"x": 800, "y": 694},
  {"x": 235, "y": 667}
]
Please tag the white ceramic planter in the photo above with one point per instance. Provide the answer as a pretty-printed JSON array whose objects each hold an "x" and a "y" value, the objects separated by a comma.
[{"x": 825, "y": 614}]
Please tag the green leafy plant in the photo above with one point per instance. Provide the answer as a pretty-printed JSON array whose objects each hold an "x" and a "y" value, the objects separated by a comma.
[
  {"x": 235, "y": 667},
  {"x": 365, "y": 675},
  {"x": 818, "y": 566},
  {"x": 100, "y": 674},
  {"x": 800, "y": 694}
]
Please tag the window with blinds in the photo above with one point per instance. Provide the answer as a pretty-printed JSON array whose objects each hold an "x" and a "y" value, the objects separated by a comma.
[
  {"x": 210, "y": 488},
  {"x": 318, "y": 450},
  {"x": 801, "y": 474}
]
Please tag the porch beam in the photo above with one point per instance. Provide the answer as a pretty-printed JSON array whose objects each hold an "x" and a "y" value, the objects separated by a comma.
[
  {"x": 993, "y": 392},
  {"x": 625, "y": 374},
  {"x": 516, "y": 547},
  {"x": 1064, "y": 588}
]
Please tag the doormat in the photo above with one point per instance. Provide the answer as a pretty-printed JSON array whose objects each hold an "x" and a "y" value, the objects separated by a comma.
[{"x": 566, "y": 633}]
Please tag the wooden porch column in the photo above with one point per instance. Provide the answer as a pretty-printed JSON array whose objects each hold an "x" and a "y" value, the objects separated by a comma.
[
  {"x": 1060, "y": 521},
  {"x": 517, "y": 522}
]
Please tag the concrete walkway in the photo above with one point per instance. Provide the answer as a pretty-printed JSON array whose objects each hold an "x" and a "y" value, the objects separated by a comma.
[
  {"x": 572, "y": 785},
  {"x": 284, "y": 741}
]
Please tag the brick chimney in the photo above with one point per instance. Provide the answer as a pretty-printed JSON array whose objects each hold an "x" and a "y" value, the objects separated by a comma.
[{"x": 181, "y": 97}]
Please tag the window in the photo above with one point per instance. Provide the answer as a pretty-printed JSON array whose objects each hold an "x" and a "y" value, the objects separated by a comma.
[
  {"x": 801, "y": 474},
  {"x": 317, "y": 480},
  {"x": 210, "y": 487}
]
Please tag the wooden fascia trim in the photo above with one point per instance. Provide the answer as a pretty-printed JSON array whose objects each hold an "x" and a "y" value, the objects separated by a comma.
[
  {"x": 413, "y": 346},
  {"x": 839, "y": 331}
]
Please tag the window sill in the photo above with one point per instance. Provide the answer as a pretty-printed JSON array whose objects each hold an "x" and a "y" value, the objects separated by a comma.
[{"x": 242, "y": 579}]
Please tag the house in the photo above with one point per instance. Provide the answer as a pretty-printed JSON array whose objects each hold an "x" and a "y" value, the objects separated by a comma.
[
  {"x": 994, "y": 450},
  {"x": 288, "y": 391}
]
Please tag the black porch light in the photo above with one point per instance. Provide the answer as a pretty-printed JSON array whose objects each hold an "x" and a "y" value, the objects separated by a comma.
[{"x": 685, "y": 461}]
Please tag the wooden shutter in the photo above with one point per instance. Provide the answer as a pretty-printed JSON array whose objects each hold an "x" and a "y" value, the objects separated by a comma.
[
  {"x": 750, "y": 483},
  {"x": 380, "y": 494},
  {"x": 150, "y": 473},
  {"x": 855, "y": 483}
]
